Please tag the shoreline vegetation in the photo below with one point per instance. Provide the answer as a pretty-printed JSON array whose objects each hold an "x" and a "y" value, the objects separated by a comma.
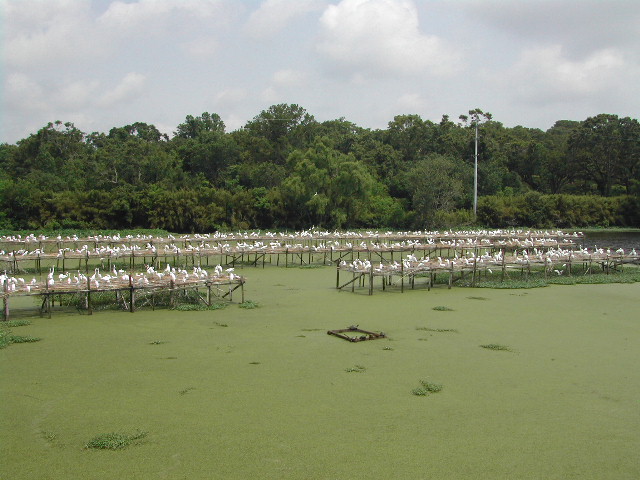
[{"x": 296, "y": 171}]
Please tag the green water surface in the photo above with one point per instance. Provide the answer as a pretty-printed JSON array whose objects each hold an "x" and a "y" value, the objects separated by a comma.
[{"x": 272, "y": 396}]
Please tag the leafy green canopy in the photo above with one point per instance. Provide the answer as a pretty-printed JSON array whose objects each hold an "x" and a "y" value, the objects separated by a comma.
[{"x": 284, "y": 169}]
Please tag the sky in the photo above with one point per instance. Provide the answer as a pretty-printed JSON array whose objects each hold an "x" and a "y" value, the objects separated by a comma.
[{"x": 108, "y": 63}]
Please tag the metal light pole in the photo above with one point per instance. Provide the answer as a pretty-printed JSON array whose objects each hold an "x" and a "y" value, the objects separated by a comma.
[{"x": 475, "y": 177}]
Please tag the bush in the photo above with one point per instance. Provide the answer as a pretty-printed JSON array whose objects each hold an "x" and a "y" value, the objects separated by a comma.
[
  {"x": 565, "y": 211},
  {"x": 114, "y": 441}
]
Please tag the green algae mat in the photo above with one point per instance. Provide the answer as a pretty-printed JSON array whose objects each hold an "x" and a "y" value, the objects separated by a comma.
[{"x": 469, "y": 384}]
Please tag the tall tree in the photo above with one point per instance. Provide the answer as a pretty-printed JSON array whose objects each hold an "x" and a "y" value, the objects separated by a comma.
[
  {"x": 437, "y": 184},
  {"x": 326, "y": 187},
  {"x": 558, "y": 167},
  {"x": 607, "y": 150},
  {"x": 48, "y": 150},
  {"x": 285, "y": 128},
  {"x": 193, "y": 127}
]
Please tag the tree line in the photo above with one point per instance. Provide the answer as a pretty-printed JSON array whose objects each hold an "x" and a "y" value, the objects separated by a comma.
[{"x": 285, "y": 169}]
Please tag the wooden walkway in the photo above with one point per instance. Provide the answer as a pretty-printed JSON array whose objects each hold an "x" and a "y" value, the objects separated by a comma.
[
  {"x": 255, "y": 253},
  {"x": 551, "y": 262},
  {"x": 131, "y": 289},
  {"x": 41, "y": 242}
]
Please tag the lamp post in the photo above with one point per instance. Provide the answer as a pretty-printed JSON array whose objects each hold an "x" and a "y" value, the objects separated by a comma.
[
  {"x": 475, "y": 176},
  {"x": 466, "y": 121}
]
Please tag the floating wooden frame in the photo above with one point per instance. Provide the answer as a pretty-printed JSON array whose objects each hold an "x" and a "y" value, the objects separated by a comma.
[{"x": 366, "y": 335}]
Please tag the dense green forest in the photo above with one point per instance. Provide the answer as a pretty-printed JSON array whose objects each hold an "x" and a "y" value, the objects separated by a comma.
[{"x": 284, "y": 169}]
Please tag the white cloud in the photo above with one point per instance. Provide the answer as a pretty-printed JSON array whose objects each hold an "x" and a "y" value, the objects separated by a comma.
[
  {"x": 271, "y": 95},
  {"x": 546, "y": 74},
  {"x": 289, "y": 78},
  {"x": 234, "y": 121},
  {"x": 274, "y": 15},
  {"x": 202, "y": 47},
  {"x": 78, "y": 94},
  {"x": 230, "y": 97},
  {"x": 21, "y": 91},
  {"x": 48, "y": 33},
  {"x": 153, "y": 15},
  {"x": 144, "y": 14},
  {"x": 130, "y": 87},
  {"x": 411, "y": 102},
  {"x": 383, "y": 36},
  {"x": 367, "y": 60},
  {"x": 580, "y": 26}
]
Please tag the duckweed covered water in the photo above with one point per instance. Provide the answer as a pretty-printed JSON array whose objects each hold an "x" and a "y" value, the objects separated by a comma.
[{"x": 269, "y": 396}]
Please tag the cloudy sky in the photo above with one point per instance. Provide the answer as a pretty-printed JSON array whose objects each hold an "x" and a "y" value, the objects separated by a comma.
[{"x": 107, "y": 63}]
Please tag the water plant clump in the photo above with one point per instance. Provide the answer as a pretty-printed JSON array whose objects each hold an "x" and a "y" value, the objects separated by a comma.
[
  {"x": 7, "y": 338},
  {"x": 356, "y": 369},
  {"x": 426, "y": 388},
  {"x": 24, "y": 339},
  {"x": 114, "y": 441},
  {"x": 17, "y": 323},
  {"x": 439, "y": 330},
  {"x": 249, "y": 304},
  {"x": 442, "y": 308},
  {"x": 497, "y": 347},
  {"x": 199, "y": 307}
]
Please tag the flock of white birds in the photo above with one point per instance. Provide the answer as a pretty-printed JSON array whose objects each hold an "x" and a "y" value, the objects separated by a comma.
[
  {"x": 528, "y": 247},
  {"x": 548, "y": 258},
  {"x": 116, "y": 246},
  {"x": 118, "y": 279}
]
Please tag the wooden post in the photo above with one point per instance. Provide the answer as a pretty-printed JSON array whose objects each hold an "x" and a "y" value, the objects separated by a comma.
[
  {"x": 89, "y": 309},
  {"x": 371, "y": 280},
  {"x": 401, "y": 276},
  {"x": 337, "y": 276},
  {"x": 475, "y": 268},
  {"x": 569, "y": 264},
  {"x": 132, "y": 297},
  {"x": 5, "y": 300}
]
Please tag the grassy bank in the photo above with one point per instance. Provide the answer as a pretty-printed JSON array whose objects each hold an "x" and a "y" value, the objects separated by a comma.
[{"x": 265, "y": 393}]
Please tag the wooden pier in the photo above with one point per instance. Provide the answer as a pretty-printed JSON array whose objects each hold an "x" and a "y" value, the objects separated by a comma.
[
  {"x": 405, "y": 273},
  {"x": 132, "y": 290},
  {"x": 319, "y": 249}
]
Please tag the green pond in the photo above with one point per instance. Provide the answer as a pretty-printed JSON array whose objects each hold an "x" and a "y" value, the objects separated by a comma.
[{"x": 265, "y": 393}]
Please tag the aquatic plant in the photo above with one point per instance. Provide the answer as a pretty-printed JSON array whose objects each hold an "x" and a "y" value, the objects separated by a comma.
[
  {"x": 495, "y": 346},
  {"x": 426, "y": 388},
  {"x": 114, "y": 441}
]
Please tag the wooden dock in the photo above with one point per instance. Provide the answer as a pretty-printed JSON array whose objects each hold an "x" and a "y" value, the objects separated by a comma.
[
  {"x": 131, "y": 289},
  {"x": 363, "y": 273},
  {"x": 256, "y": 252}
]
